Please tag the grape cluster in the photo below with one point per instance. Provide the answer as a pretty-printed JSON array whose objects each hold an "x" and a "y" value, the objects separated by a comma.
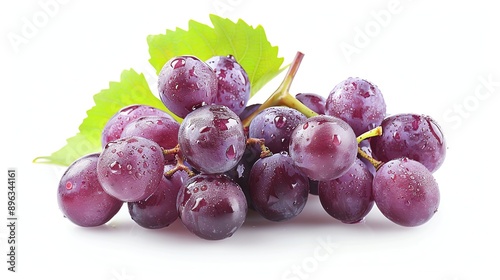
[{"x": 227, "y": 157}]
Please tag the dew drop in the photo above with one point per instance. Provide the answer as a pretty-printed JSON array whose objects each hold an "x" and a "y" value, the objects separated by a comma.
[
  {"x": 120, "y": 153},
  {"x": 304, "y": 126},
  {"x": 69, "y": 185},
  {"x": 115, "y": 167},
  {"x": 230, "y": 152},
  {"x": 178, "y": 62},
  {"x": 336, "y": 140},
  {"x": 280, "y": 121},
  {"x": 204, "y": 129}
]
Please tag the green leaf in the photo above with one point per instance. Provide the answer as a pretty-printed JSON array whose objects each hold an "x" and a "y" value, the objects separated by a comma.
[
  {"x": 131, "y": 89},
  {"x": 247, "y": 44}
]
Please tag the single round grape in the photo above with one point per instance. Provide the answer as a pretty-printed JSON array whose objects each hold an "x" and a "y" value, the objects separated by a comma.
[
  {"x": 358, "y": 102},
  {"x": 131, "y": 168},
  {"x": 417, "y": 137},
  {"x": 275, "y": 125},
  {"x": 212, "y": 206},
  {"x": 159, "y": 209},
  {"x": 115, "y": 125},
  {"x": 186, "y": 83},
  {"x": 348, "y": 198},
  {"x": 278, "y": 189},
  {"x": 406, "y": 192},
  {"x": 163, "y": 131},
  {"x": 233, "y": 83},
  {"x": 323, "y": 147},
  {"x": 81, "y": 197},
  {"x": 212, "y": 139},
  {"x": 313, "y": 101}
]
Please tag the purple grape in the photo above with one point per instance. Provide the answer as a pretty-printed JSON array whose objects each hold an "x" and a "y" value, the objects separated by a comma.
[
  {"x": 278, "y": 189},
  {"x": 161, "y": 130},
  {"x": 131, "y": 168},
  {"x": 323, "y": 147},
  {"x": 115, "y": 125},
  {"x": 313, "y": 187},
  {"x": 348, "y": 198},
  {"x": 358, "y": 102},
  {"x": 275, "y": 125},
  {"x": 233, "y": 83},
  {"x": 81, "y": 197},
  {"x": 406, "y": 192},
  {"x": 417, "y": 137},
  {"x": 212, "y": 139},
  {"x": 241, "y": 172},
  {"x": 186, "y": 83},
  {"x": 212, "y": 206},
  {"x": 249, "y": 110},
  {"x": 313, "y": 101},
  {"x": 159, "y": 209}
]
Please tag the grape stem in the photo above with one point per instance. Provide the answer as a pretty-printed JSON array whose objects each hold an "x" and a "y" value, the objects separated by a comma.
[
  {"x": 374, "y": 162},
  {"x": 282, "y": 96},
  {"x": 265, "y": 152},
  {"x": 377, "y": 131},
  {"x": 179, "y": 162}
]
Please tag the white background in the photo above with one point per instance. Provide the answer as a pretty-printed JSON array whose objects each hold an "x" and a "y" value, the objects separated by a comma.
[{"x": 439, "y": 58}]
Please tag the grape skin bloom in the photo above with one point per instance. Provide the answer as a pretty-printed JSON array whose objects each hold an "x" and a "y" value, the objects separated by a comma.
[
  {"x": 130, "y": 169},
  {"x": 406, "y": 192},
  {"x": 212, "y": 206},
  {"x": 81, "y": 197},
  {"x": 323, "y": 147},
  {"x": 212, "y": 139}
]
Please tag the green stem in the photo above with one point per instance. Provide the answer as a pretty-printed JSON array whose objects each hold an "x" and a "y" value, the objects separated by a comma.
[
  {"x": 282, "y": 97},
  {"x": 374, "y": 162},
  {"x": 377, "y": 131}
]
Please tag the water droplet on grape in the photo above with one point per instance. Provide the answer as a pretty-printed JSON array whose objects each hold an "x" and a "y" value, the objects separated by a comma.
[
  {"x": 178, "y": 62},
  {"x": 280, "y": 121},
  {"x": 69, "y": 185},
  {"x": 336, "y": 140},
  {"x": 115, "y": 167},
  {"x": 305, "y": 125},
  {"x": 230, "y": 152},
  {"x": 205, "y": 129},
  {"x": 221, "y": 123}
]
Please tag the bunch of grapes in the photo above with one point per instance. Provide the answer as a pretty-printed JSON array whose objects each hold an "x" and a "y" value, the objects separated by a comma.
[{"x": 227, "y": 157}]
